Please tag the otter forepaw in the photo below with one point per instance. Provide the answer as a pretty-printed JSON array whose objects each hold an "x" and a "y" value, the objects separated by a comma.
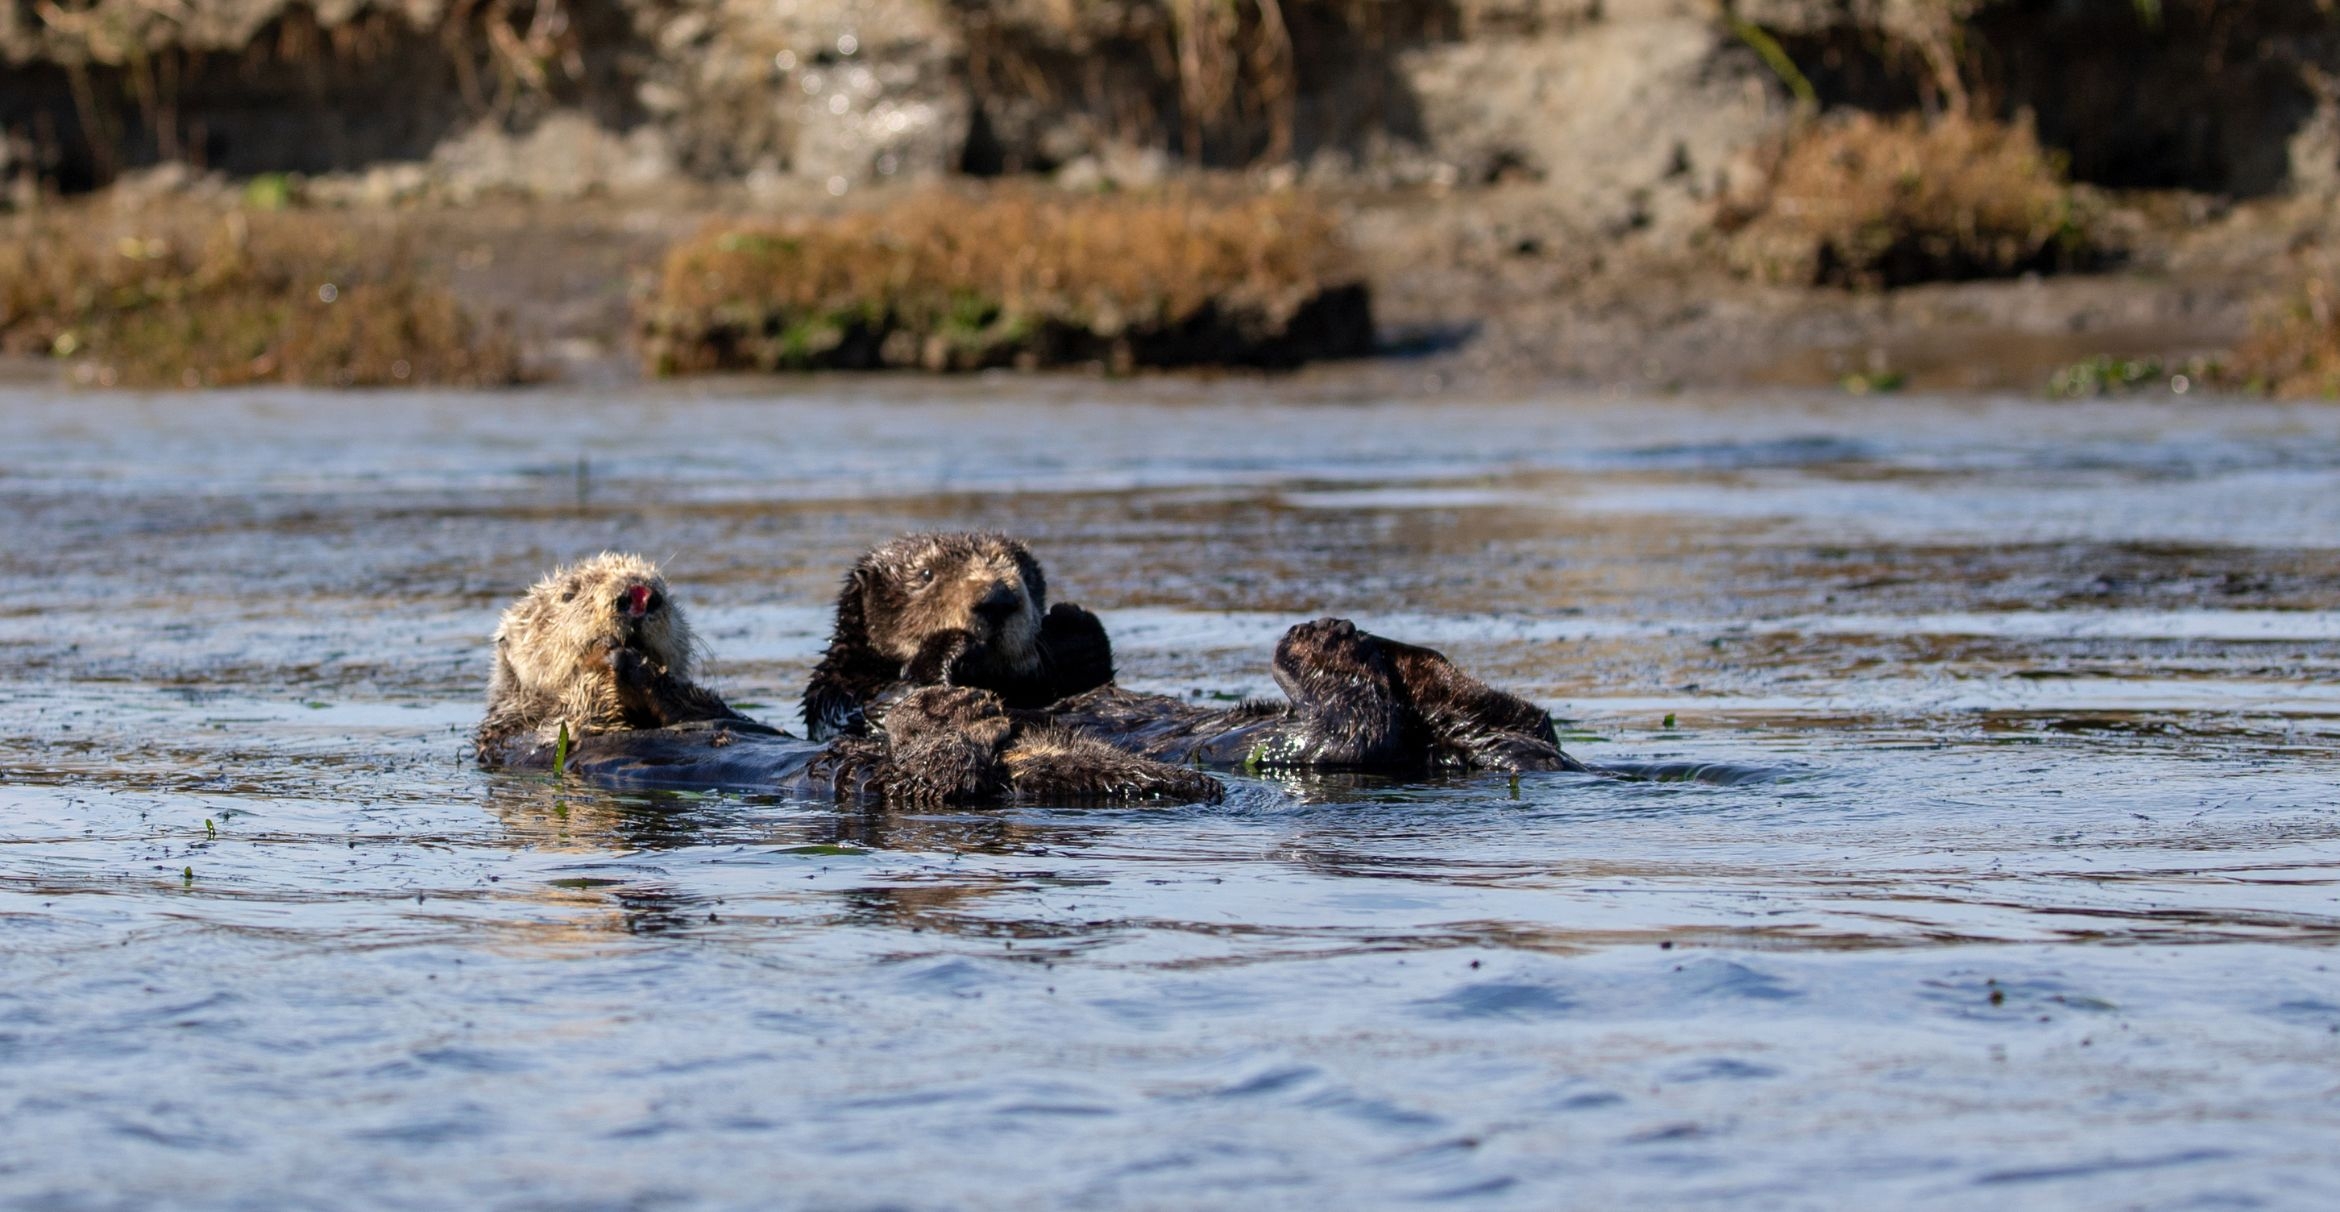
[
  {"x": 1048, "y": 764},
  {"x": 934, "y": 711},
  {"x": 1511, "y": 753},
  {"x": 636, "y": 682},
  {"x": 940, "y": 658},
  {"x": 945, "y": 744},
  {"x": 1075, "y": 650},
  {"x": 630, "y": 666}
]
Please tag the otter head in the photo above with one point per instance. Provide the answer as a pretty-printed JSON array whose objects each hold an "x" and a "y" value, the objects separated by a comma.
[
  {"x": 903, "y": 595},
  {"x": 552, "y": 646}
]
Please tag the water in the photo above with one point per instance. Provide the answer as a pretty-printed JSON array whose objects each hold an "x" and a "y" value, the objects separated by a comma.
[{"x": 2013, "y": 874}]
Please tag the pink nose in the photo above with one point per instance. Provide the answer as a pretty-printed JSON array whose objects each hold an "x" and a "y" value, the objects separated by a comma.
[{"x": 638, "y": 600}]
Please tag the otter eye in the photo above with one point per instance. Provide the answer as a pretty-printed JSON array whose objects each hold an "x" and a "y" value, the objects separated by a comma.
[
  {"x": 569, "y": 594},
  {"x": 926, "y": 576}
]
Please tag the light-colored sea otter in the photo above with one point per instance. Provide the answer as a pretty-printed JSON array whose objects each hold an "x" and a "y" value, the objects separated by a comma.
[
  {"x": 600, "y": 652},
  {"x": 555, "y": 646},
  {"x": 1355, "y": 700}
]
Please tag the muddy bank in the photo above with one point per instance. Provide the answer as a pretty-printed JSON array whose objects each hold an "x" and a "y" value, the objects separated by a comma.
[
  {"x": 1486, "y": 287},
  {"x": 1546, "y": 189}
]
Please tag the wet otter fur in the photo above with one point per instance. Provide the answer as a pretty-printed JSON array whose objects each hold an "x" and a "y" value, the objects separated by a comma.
[
  {"x": 600, "y": 652},
  {"x": 956, "y": 744},
  {"x": 1354, "y": 700},
  {"x": 554, "y": 648},
  {"x": 975, "y": 601}
]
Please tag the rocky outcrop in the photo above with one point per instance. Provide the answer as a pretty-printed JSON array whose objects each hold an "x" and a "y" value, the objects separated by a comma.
[
  {"x": 1630, "y": 112},
  {"x": 1611, "y": 101}
]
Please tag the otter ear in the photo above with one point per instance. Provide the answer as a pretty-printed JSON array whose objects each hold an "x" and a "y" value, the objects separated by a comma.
[{"x": 1035, "y": 581}]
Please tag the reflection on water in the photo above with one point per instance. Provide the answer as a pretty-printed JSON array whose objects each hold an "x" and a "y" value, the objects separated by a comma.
[{"x": 1982, "y": 840}]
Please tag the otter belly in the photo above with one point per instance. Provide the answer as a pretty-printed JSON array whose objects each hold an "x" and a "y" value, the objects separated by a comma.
[{"x": 717, "y": 755}]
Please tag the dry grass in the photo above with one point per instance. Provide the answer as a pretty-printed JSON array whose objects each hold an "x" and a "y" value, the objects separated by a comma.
[
  {"x": 1878, "y": 202},
  {"x": 2293, "y": 349},
  {"x": 224, "y": 297},
  {"x": 1014, "y": 275}
]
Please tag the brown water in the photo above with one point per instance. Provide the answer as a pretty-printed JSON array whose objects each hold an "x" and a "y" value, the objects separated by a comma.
[{"x": 2013, "y": 874}]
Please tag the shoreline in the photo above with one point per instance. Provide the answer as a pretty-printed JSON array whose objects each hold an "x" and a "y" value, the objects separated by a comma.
[{"x": 1472, "y": 289}]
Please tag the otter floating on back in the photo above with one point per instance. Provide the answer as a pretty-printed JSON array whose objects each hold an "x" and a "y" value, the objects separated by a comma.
[
  {"x": 972, "y": 607},
  {"x": 599, "y": 652},
  {"x": 970, "y": 610}
]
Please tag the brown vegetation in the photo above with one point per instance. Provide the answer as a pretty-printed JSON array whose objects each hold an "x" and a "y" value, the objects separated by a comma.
[
  {"x": 1873, "y": 202},
  {"x": 222, "y": 297},
  {"x": 1023, "y": 276},
  {"x": 2293, "y": 349}
]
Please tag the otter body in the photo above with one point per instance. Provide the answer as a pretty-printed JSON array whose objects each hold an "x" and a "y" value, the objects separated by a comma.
[
  {"x": 599, "y": 654},
  {"x": 696, "y": 756},
  {"x": 1354, "y": 700}
]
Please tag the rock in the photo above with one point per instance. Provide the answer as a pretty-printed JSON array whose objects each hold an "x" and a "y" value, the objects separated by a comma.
[{"x": 565, "y": 156}]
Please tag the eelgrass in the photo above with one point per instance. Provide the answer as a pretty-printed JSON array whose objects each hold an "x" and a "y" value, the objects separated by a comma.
[
  {"x": 220, "y": 298},
  {"x": 1014, "y": 276}
]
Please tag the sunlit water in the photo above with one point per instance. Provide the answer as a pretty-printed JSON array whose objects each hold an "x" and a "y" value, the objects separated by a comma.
[{"x": 2012, "y": 875}]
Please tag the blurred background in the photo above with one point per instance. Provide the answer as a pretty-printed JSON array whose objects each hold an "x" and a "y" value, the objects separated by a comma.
[{"x": 2076, "y": 197}]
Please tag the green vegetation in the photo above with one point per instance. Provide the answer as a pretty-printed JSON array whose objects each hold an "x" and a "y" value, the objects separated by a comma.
[
  {"x": 1014, "y": 276},
  {"x": 1873, "y": 382},
  {"x": 226, "y": 297},
  {"x": 2105, "y": 375}
]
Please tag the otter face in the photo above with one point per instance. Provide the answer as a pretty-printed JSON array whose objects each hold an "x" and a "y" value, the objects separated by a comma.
[
  {"x": 923, "y": 585},
  {"x": 554, "y": 640}
]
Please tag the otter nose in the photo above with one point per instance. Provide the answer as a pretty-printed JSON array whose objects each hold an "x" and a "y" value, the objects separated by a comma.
[{"x": 997, "y": 605}]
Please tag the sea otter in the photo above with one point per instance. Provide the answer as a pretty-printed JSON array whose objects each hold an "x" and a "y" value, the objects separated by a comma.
[
  {"x": 1355, "y": 700},
  {"x": 598, "y": 653},
  {"x": 977, "y": 602}
]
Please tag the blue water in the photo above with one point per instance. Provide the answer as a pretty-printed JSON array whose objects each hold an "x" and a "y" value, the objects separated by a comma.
[{"x": 2015, "y": 876}]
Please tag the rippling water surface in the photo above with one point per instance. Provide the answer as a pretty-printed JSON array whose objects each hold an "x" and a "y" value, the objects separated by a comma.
[{"x": 2000, "y": 864}]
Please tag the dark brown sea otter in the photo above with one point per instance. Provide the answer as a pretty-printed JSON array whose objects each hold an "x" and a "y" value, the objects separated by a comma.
[
  {"x": 599, "y": 652},
  {"x": 977, "y": 603},
  {"x": 1355, "y": 700}
]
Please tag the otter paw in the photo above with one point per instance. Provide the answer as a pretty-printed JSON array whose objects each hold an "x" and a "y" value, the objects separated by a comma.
[
  {"x": 631, "y": 667},
  {"x": 931, "y": 712},
  {"x": 636, "y": 682},
  {"x": 940, "y": 657},
  {"x": 1051, "y": 765},
  {"x": 944, "y": 747},
  {"x": 1078, "y": 655},
  {"x": 1511, "y": 753}
]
